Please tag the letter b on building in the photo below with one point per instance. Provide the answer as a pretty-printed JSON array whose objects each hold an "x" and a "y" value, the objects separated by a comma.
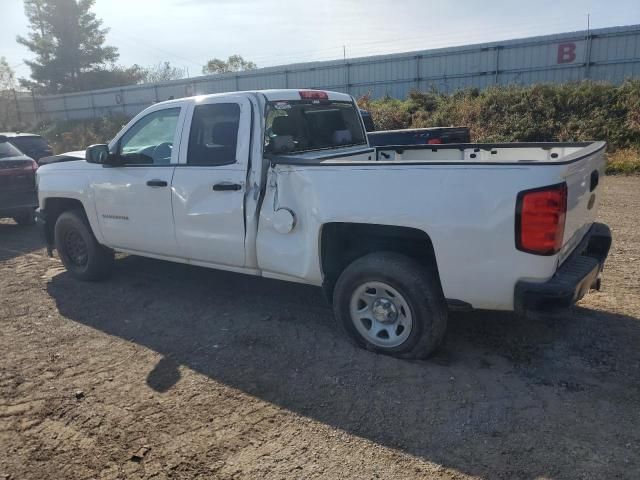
[{"x": 566, "y": 52}]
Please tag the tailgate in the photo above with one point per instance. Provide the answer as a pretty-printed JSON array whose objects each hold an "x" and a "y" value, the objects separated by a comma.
[
  {"x": 17, "y": 183},
  {"x": 584, "y": 189},
  {"x": 17, "y": 175}
]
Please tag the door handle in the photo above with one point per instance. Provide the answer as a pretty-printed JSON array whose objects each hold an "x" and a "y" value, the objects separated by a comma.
[
  {"x": 156, "y": 183},
  {"x": 594, "y": 180},
  {"x": 222, "y": 187}
]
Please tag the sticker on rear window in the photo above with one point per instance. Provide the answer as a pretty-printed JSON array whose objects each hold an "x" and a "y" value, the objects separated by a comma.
[{"x": 282, "y": 106}]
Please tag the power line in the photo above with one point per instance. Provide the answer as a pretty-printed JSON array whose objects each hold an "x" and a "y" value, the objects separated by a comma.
[
  {"x": 357, "y": 49},
  {"x": 416, "y": 43},
  {"x": 137, "y": 42},
  {"x": 334, "y": 51}
]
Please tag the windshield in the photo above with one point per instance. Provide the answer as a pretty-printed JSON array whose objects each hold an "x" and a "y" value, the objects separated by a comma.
[
  {"x": 7, "y": 150},
  {"x": 303, "y": 125}
]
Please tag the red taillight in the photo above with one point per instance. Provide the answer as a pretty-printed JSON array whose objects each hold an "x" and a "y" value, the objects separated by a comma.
[
  {"x": 434, "y": 141},
  {"x": 31, "y": 166},
  {"x": 313, "y": 95},
  {"x": 540, "y": 216}
]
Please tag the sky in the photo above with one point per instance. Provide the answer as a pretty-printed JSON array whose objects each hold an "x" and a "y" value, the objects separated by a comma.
[{"x": 275, "y": 32}]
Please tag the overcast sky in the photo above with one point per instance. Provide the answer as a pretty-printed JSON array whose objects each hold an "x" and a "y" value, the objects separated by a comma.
[{"x": 274, "y": 32}]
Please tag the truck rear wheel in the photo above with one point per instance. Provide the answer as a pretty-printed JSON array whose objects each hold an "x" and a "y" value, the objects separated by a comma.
[
  {"x": 79, "y": 250},
  {"x": 388, "y": 303}
]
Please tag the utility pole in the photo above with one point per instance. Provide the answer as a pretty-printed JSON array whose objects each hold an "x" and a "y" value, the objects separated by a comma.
[
  {"x": 346, "y": 68},
  {"x": 587, "y": 47},
  {"x": 15, "y": 99}
]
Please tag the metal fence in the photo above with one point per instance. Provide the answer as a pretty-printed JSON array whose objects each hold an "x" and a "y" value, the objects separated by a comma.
[{"x": 610, "y": 54}]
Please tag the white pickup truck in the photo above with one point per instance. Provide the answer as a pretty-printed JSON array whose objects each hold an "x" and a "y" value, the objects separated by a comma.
[{"x": 283, "y": 184}]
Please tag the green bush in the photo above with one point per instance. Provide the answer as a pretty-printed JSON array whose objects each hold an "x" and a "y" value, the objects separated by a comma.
[
  {"x": 549, "y": 112},
  {"x": 625, "y": 161},
  {"x": 565, "y": 112},
  {"x": 388, "y": 113}
]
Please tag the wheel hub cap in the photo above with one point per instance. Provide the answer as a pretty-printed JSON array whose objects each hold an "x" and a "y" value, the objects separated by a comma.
[
  {"x": 381, "y": 314},
  {"x": 76, "y": 248},
  {"x": 384, "y": 310}
]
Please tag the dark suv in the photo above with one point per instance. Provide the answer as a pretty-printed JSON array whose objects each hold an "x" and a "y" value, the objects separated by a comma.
[
  {"x": 30, "y": 144},
  {"x": 18, "y": 197}
]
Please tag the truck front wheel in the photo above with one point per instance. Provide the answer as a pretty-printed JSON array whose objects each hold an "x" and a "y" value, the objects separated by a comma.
[
  {"x": 389, "y": 303},
  {"x": 79, "y": 250}
]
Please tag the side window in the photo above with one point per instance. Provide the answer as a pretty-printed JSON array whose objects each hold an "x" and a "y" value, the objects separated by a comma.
[
  {"x": 150, "y": 140},
  {"x": 214, "y": 134}
]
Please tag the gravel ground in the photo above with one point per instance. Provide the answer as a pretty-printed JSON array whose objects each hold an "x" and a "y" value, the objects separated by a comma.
[{"x": 170, "y": 371}]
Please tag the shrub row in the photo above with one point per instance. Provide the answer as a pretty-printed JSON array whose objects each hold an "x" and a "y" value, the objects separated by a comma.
[
  {"x": 549, "y": 112},
  {"x": 66, "y": 136}
]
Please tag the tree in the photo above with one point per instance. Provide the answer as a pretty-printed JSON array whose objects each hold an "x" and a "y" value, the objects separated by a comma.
[
  {"x": 115, "y": 76},
  {"x": 7, "y": 77},
  {"x": 235, "y": 63},
  {"x": 162, "y": 72},
  {"x": 8, "y": 112},
  {"x": 68, "y": 41}
]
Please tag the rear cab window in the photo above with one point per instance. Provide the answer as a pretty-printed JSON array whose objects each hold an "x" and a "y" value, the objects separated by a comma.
[
  {"x": 213, "y": 137},
  {"x": 307, "y": 125}
]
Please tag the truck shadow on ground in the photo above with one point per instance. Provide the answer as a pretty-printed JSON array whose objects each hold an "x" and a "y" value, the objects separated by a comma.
[
  {"x": 504, "y": 397},
  {"x": 17, "y": 240}
]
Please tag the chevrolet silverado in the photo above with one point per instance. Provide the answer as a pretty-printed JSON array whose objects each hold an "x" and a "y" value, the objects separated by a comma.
[{"x": 284, "y": 184}]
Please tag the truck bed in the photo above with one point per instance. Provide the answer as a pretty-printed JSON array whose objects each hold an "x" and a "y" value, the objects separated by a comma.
[
  {"x": 419, "y": 136},
  {"x": 542, "y": 153},
  {"x": 454, "y": 193}
]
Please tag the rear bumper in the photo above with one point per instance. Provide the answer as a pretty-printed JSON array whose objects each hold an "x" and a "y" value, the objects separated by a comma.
[
  {"x": 13, "y": 203},
  {"x": 579, "y": 273}
]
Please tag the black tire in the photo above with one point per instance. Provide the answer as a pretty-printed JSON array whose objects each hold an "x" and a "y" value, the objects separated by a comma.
[
  {"x": 78, "y": 248},
  {"x": 420, "y": 289},
  {"x": 28, "y": 217}
]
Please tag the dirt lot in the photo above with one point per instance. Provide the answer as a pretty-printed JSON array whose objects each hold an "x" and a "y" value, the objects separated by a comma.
[{"x": 169, "y": 371}]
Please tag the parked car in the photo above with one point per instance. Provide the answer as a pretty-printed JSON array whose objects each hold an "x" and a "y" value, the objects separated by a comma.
[
  {"x": 284, "y": 184},
  {"x": 30, "y": 144},
  {"x": 18, "y": 198},
  {"x": 413, "y": 136},
  {"x": 64, "y": 157}
]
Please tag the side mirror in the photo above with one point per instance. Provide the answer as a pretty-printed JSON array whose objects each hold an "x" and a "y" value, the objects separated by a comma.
[{"x": 97, "y": 154}]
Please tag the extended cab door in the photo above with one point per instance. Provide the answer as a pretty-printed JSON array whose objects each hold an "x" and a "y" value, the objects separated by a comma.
[
  {"x": 209, "y": 184},
  {"x": 133, "y": 201}
]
